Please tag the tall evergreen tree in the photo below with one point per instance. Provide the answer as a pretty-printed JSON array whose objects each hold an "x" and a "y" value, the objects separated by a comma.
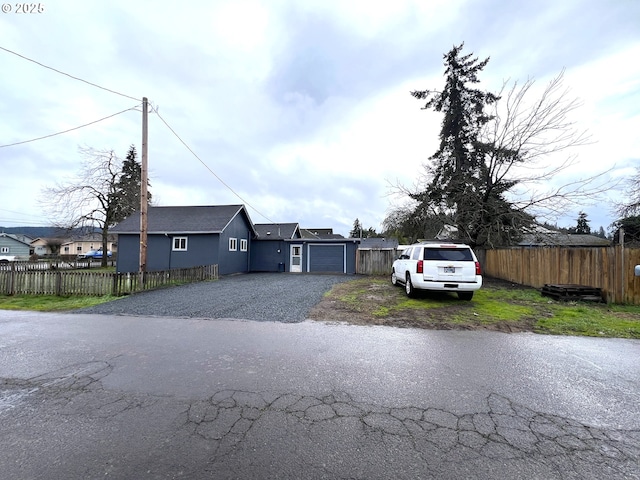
[
  {"x": 356, "y": 231},
  {"x": 583, "y": 224},
  {"x": 127, "y": 191},
  {"x": 460, "y": 184}
]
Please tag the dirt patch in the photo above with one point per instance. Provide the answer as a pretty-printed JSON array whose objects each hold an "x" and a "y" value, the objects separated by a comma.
[{"x": 374, "y": 301}]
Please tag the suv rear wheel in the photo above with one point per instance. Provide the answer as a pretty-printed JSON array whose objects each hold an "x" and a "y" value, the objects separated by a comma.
[
  {"x": 465, "y": 295},
  {"x": 408, "y": 287}
]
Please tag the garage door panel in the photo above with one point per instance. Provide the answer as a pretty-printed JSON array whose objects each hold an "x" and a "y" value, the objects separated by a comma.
[{"x": 327, "y": 258}]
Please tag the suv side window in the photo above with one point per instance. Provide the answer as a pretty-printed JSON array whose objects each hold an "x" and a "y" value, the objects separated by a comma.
[
  {"x": 416, "y": 253},
  {"x": 406, "y": 254}
]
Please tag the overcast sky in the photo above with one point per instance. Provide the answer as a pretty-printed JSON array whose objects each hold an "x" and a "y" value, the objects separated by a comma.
[{"x": 301, "y": 107}]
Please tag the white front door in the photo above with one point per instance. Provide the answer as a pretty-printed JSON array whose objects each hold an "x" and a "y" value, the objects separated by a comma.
[{"x": 296, "y": 259}]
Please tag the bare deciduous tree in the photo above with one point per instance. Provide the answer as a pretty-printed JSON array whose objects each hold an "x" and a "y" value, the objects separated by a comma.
[{"x": 92, "y": 199}]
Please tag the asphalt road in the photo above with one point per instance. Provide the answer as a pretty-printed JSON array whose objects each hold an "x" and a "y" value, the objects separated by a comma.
[{"x": 87, "y": 396}]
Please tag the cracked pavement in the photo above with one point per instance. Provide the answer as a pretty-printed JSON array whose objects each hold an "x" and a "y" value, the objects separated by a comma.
[{"x": 91, "y": 397}]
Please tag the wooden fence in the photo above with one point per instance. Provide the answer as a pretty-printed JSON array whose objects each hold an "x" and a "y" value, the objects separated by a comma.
[
  {"x": 608, "y": 268},
  {"x": 64, "y": 283},
  {"x": 373, "y": 261}
]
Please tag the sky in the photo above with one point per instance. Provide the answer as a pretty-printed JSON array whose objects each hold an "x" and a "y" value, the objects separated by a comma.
[{"x": 301, "y": 110}]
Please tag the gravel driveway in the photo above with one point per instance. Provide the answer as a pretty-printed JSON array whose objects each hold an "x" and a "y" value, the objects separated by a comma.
[{"x": 274, "y": 297}]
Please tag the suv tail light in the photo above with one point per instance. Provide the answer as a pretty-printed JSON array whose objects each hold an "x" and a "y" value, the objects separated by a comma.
[
  {"x": 420, "y": 267},
  {"x": 478, "y": 269}
]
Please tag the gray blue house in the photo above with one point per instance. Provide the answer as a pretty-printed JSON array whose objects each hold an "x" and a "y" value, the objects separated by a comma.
[
  {"x": 190, "y": 236},
  {"x": 180, "y": 237},
  {"x": 14, "y": 246}
]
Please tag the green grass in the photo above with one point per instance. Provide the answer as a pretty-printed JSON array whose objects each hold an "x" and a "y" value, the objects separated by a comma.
[
  {"x": 591, "y": 321},
  {"x": 494, "y": 306},
  {"x": 50, "y": 303}
]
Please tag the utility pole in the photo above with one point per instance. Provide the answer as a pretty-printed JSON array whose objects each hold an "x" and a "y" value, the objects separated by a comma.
[{"x": 143, "y": 194}]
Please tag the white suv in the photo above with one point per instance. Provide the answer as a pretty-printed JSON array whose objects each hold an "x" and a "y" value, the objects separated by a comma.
[{"x": 451, "y": 267}]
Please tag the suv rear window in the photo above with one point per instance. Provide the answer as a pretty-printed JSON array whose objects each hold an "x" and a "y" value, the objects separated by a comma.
[{"x": 451, "y": 254}]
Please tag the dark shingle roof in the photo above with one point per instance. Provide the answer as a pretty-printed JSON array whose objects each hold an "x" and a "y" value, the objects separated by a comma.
[
  {"x": 562, "y": 239},
  {"x": 186, "y": 219},
  {"x": 376, "y": 243},
  {"x": 276, "y": 231}
]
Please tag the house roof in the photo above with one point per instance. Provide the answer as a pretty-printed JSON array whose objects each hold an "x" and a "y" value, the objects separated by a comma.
[
  {"x": 15, "y": 238},
  {"x": 319, "y": 233},
  {"x": 562, "y": 239},
  {"x": 276, "y": 231},
  {"x": 184, "y": 219},
  {"x": 378, "y": 243}
]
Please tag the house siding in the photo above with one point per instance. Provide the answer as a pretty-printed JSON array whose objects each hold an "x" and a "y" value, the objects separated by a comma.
[
  {"x": 234, "y": 261},
  {"x": 268, "y": 255},
  {"x": 202, "y": 249},
  {"x": 14, "y": 247}
]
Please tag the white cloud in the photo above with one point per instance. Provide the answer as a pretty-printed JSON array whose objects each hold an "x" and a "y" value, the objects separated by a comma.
[{"x": 302, "y": 108}]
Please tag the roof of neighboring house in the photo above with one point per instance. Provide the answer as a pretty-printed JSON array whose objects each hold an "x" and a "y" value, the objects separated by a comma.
[
  {"x": 277, "y": 231},
  {"x": 49, "y": 241},
  {"x": 184, "y": 219},
  {"x": 16, "y": 238},
  {"x": 91, "y": 237},
  {"x": 378, "y": 243},
  {"x": 319, "y": 233},
  {"x": 562, "y": 239}
]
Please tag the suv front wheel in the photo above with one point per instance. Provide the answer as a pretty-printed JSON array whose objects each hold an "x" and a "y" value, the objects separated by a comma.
[
  {"x": 408, "y": 287},
  {"x": 394, "y": 278}
]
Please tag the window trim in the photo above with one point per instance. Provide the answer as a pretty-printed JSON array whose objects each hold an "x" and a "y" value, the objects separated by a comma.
[
  {"x": 233, "y": 244},
  {"x": 244, "y": 245},
  {"x": 179, "y": 248}
]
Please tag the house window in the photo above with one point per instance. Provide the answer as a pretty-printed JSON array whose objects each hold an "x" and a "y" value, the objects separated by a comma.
[
  {"x": 79, "y": 249},
  {"x": 4, "y": 249},
  {"x": 179, "y": 244},
  {"x": 233, "y": 244},
  {"x": 243, "y": 245},
  {"x": 66, "y": 249}
]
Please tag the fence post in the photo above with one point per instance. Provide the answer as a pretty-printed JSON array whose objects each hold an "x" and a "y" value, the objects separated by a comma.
[
  {"x": 12, "y": 279},
  {"x": 58, "y": 283}
]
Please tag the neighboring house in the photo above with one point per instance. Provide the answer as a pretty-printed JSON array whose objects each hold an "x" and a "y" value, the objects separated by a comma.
[
  {"x": 557, "y": 239},
  {"x": 189, "y": 236},
  {"x": 12, "y": 246},
  {"x": 43, "y": 246},
  {"x": 88, "y": 242},
  {"x": 447, "y": 232}
]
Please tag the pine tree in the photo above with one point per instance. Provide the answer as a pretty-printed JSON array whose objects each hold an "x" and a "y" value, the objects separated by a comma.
[
  {"x": 461, "y": 186},
  {"x": 127, "y": 191},
  {"x": 356, "y": 231},
  {"x": 582, "y": 226}
]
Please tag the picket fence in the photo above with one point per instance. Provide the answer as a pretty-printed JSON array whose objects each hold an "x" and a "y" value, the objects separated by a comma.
[{"x": 65, "y": 283}]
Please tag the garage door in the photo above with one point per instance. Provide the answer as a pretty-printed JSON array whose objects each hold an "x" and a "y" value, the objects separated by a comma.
[{"x": 327, "y": 258}]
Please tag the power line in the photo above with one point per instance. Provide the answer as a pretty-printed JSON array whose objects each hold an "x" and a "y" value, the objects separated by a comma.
[
  {"x": 68, "y": 75},
  {"x": 207, "y": 167},
  {"x": 69, "y": 130}
]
